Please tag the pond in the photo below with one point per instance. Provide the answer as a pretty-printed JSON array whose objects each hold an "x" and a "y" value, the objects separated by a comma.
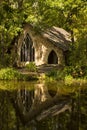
[{"x": 42, "y": 106}]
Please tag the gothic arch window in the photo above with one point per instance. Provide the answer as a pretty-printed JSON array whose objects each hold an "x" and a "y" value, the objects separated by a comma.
[
  {"x": 27, "y": 50},
  {"x": 52, "y": 58}
]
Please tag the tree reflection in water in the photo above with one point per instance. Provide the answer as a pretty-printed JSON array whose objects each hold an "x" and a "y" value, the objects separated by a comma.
[{"x": 41, "y": 109}]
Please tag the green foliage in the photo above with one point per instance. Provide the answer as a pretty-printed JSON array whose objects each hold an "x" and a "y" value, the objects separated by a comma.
[
  {"x": 12, "y": 74},
  {"x": 68, "y": 74},
  {"x": 76, "y": 71},
  {"x": 70, "y": 15},
  {"x": 9, "y": 74},
  {"x": 31, "y": 67},
  {"x": 55, "y": 75},
  {"x": 68, "y": 80}
]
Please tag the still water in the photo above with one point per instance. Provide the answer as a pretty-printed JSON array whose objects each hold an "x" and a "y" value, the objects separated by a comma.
[{"x": 42, "y": 106}]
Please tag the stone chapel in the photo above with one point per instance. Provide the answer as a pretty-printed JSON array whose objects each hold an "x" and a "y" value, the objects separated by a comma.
[{"x": 47, "y": 47}]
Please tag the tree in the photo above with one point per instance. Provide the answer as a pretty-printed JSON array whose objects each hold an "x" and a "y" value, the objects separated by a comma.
[{"x": 70, "y": 15}]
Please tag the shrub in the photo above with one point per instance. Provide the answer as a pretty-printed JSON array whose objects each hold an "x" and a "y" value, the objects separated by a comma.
[
  {"x": 12, "y": 74},
  {"x": 69, "y": 80},
  {"x": 56, "y": 74},
  {"x": 31, "y": 67},
  {"x": 75, "y": 71},
  {"x": 9, "y": 74}
]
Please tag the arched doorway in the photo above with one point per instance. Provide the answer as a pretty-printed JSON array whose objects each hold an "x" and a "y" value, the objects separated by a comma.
[
  {"x": 27, "y": 50},
  {"x": 52, "y": 58}
]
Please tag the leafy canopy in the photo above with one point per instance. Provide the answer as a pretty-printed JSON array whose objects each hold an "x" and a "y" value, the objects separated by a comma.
[{"x": 70, "y": 15}]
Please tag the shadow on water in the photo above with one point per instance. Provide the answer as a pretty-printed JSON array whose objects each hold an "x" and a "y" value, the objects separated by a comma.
[{"x": 40, "y": 106}]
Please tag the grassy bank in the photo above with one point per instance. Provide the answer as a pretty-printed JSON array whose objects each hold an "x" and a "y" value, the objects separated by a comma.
[
  {"x": 13, "y": 74},
  {"x": 68, "y": 75}
]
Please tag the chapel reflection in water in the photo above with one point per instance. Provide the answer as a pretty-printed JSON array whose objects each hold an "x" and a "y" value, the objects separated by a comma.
[{"x": 40, "y": 109}]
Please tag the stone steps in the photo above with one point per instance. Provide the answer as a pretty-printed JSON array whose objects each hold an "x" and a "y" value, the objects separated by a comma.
[
  {"x": 41, "y": 69},
  {"x": 48, "y": 67}
]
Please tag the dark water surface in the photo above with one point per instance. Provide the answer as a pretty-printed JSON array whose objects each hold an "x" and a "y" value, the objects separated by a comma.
[{"x": 42, "y": 106}]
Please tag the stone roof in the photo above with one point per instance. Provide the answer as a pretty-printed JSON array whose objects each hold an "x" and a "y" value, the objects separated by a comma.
[{"x": 58, "y": 36}]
